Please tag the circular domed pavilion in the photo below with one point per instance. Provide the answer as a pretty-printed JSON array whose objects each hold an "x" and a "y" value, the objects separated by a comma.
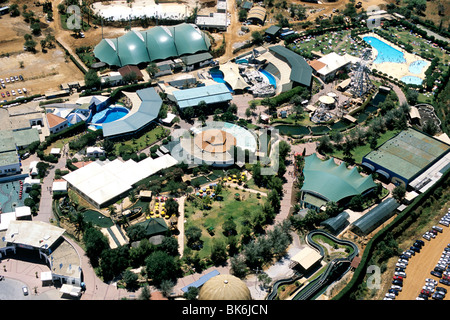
[
  {"x": 214, "y": 141},
  {"x": 224, "y": 287}
]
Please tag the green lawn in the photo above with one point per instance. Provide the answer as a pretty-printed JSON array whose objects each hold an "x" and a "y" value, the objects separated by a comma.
[
  {"x": 359, "y": 152},
  {"x": 144, "y": 140},
  {"x": 220, "y": 211}
]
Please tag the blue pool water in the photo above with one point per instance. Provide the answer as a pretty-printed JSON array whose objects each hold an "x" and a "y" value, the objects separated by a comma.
[
  {"x": 110, "y": 114},
  {"x": 271, "y": 78},
  {"x": 242, "y": 61},
  {"x": 385, "y": 52},
  {"x": 417, "y": 66},
  {"x": 217, "y": 75},
  {"x": 411, "y": 80}
]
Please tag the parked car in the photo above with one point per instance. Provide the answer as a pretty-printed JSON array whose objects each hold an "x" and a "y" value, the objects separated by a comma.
[
  {"x": 420, "y": 242},
  {"x": 438, "y": 296},
  {"x": 25, "y": 290},
  {"x": 415, "y": 249},
  {"x": 20, "y": 77},
  {"x": 19, "y": 91},
  {"x": 438, "y": 229},
  {"x": 7, "y": 93},
  {"x": 3, "y": 95},
  {"x": 413, "y": 253},
  {"x": 404, "y": 256},
  {"x": 423, "y": 296},
  {"x": 398, "y": 278},
  {"x": 426, "y": 237},
  {"x": 398, "y": 282},
  {"x": 431, "y": 280},
  {"x": 436, "y": 274},
  {"x": 445, "y": 281},
  {"x": 396, "y": 287},
  {"x": 12, "y": 79},
  {"x": 390, "y": 295},
  {"x": 400, "y": 273},
  {"x": 401, "y": 265},
  {"x": 403, "y": 261},
  {"x": 442, "y": 289},
  {"x": 24, "y": 90},
  {"x": 425, "y": 292},
  {"x": 393, "y": 291}
]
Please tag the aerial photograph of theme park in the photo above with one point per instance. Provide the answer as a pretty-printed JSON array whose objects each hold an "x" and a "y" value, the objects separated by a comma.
[{"x": 225, "y": 150}]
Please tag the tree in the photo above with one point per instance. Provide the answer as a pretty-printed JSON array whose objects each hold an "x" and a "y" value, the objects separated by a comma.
[
  {"x": 92, "y": 80},
  {"x": 356, "y": 203},
  {"x": 160, "y": 266},
  {"x": 30, "y": 45},
  {"x": 229, "y": 227},
  {"x": 191, "y": 293},
  {"x": 238, "y": 266},
  {"x": 129, "y": 77},
  {"x": 152, "y": 69},
  {"x": 257, "y": 38},
  {"x": 172, "y": 207},
  {"x": 193, "y": 235},
  {"x": 218, "y": 252},
  {"x": 95, "y": 243},
  {"x": 325, "y": 145},
  {"x": 14, "y": 10},
  {"x": 242, "y": 15},
  {"x": 170, "y": 246},
  {"x": 130, "y": 278},
  {"x": 399, "y": 192}
]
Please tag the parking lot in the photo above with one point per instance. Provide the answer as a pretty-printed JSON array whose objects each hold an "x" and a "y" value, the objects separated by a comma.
[{"x": 421, "y": 264}]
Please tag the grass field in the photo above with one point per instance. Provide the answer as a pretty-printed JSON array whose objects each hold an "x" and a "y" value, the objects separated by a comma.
[
  {"x": 360, "y": 151},
  {"x": 221, "y": 211},
  {"x": 144, "y": 140}
]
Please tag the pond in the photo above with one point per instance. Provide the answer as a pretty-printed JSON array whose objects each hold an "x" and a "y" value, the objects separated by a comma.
[{"x": 293, "y": 130}]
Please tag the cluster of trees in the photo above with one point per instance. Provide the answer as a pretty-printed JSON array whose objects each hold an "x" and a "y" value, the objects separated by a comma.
[
  {"x": 161, "y": 263},
  {"x": 262, "y": 249},
  {"x": 284, "y": 97},
  {"x": 392, "y": 119},
  {"x": 34, "y": 198},
  {"x": 86, "y": 139}
]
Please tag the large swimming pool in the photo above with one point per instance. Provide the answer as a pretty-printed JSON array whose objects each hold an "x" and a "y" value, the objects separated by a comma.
[
  {"x": 109, "y": 114},
  {"x": 386, "y": 53}
]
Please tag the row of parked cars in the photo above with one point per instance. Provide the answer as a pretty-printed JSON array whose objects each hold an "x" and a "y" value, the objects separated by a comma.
[
  {"x": 400, "y": 267},
  {"x": 445, "y": 220},
  {"x": 431, "y": 289},
  {"x": 441, "y": 270},
  {"x": 12, "y": 79}
]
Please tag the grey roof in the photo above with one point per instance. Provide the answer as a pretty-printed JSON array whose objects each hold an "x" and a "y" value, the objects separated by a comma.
[
  {"x": 148, "y": 111},
  {"x": 336, "y": 223},
  {"x": 196, "y": 58},
  {"x": 272, "y": 30},
  {"x": 301, "y": 71},
  {"x": 408, "y": 153},
  {"x": 7, "y": 142},
  {"x": 210, "y": 94},
  {"x": 375, "y": 217},
  {"x": 9, "y": 158}
]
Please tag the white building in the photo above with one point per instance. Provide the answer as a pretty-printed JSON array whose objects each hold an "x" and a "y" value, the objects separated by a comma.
[
  {"x": 62, "y": 258},
  {"x": 103, "y": 182},
  {"x": 328, "y": 66},
  {"x": 95, "y": 152}
]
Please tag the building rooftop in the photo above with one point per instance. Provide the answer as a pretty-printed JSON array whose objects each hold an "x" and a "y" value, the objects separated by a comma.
[
  {"x": 7, "y": 142},
  {"x": 36, "y": 234},
  {"x": 9, "y": 158},
  {"x": 408, "y": 153},
  {"x": 54, "y": 120},
  {"x": 210, "y": 94},
  {"x": 148, "y": 103},
  {"x": 301, "y": 72},
  {"x": 333, "y": 182}
]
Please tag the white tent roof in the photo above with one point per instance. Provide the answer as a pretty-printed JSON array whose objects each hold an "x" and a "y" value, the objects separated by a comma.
[
  {"x": 102, "y": 181},
  {"x": 335, "y": 61},
  {"x": 232, "y": 77}
]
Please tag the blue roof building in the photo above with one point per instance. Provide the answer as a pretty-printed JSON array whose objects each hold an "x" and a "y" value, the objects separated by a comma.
[{"x": 213, "y": 94}]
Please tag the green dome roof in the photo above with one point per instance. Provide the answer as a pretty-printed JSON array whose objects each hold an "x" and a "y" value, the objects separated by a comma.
[{"x": 157, "y": 43}]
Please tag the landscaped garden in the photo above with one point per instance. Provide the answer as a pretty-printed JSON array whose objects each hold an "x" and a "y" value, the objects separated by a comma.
[{"x": 219, "y": 219}]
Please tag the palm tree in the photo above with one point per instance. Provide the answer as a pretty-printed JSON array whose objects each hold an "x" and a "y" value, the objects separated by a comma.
[{"x": 112, "y": 210}]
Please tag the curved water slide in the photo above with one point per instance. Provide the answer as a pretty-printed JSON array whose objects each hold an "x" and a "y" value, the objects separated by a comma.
[{"x": 335, "y": 270}]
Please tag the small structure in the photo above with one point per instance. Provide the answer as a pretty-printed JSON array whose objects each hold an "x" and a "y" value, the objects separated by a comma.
[
  {"x": 306, "y": 259},
  {"x": 337, "y": 223},
  {"x": 59, "y": 187},
  {"x": 55, "y": 151},
  {"x": 95, "y": 152},
  {"x": 272, "y": 33},
  {"x": 129, "y": 69}
]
